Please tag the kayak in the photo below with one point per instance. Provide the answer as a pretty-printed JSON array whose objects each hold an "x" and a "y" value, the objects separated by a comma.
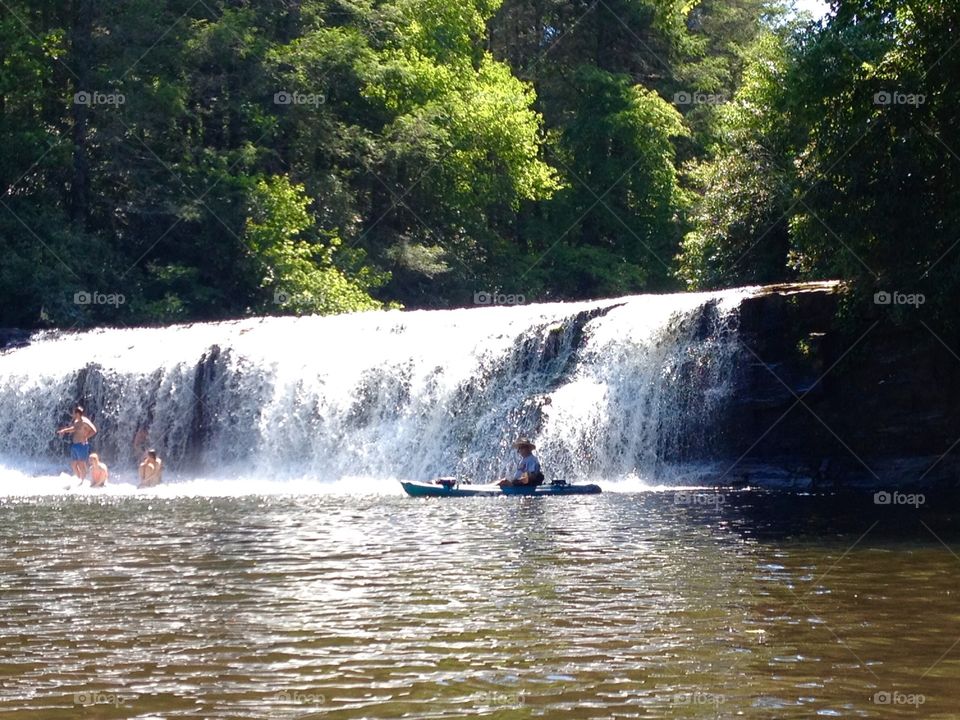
[{"x": 432, "y": 488}]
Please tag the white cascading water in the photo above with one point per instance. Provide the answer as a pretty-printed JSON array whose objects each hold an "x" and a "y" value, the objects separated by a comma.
[{"x": 609, "y": 389}]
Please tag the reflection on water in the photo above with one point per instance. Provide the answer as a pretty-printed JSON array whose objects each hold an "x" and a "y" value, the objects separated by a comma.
[{"x": 647, "y": 605}]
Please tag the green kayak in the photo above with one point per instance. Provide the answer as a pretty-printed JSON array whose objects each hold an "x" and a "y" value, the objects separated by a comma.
[{"x": 452, "y": 488}]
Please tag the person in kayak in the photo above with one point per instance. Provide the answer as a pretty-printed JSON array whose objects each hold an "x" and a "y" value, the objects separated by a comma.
[
  {"x": 83, "y": 429},
  {"x": 98, "y": 471},
  {"x": 528, "y": 472}
]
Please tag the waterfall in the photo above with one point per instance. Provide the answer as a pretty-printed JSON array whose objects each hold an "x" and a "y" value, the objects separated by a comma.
[{"x": 606, "y": 388}]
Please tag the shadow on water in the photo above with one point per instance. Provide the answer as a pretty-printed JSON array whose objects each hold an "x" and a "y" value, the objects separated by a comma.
[{"x": 887, "y": 517}]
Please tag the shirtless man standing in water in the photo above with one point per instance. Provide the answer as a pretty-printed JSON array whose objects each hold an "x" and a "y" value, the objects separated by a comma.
[{"x": 82, "y": 430}]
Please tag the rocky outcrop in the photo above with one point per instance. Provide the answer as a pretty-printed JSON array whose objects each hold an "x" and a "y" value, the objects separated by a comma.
[
  {"x": 818, "y": 404},
  {"x": 13, "y": 338}
]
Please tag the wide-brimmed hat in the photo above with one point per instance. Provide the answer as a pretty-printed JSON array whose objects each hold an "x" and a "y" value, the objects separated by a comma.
[{"x": 524, "y": 442}]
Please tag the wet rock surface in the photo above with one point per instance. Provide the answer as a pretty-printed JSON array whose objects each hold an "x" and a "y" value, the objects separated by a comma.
[
  {"x": 815, "y": 405},
  {"x": 13, "y": 338}
]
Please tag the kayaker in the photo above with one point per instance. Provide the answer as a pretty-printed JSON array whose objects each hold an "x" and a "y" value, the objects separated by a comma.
[
  {"x": 528, "y": 470},
  {"x": 82, "y": 430}
]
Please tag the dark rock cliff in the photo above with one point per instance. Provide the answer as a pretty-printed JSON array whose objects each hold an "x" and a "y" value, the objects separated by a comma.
[
  {"x": 816, "y": 405},
  {"x": 13, "y": 338}
]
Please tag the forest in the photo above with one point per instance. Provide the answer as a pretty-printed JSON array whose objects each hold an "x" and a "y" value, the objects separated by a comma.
[{"x": 204, "y": 159}]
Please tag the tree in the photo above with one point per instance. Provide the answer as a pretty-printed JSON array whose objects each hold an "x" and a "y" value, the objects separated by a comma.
[
  {"x": 746, "y": 193},
  {"x": 299, "y": 275},
  {"x": 203, "y": 158},
  {"x": 618, "y": 213}
]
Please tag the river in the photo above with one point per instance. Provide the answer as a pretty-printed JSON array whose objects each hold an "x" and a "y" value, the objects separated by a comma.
[{"x": 653, "y": 602}]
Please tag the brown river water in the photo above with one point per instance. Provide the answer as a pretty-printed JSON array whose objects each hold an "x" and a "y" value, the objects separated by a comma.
[{"x": 622, "y": 605}]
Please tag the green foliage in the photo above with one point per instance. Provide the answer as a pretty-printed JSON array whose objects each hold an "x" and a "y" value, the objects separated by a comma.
[
  {"x": 880, "y": 166},
  {"x": 603, "y": 74},
  {"x": 302, "y": 151},
  {"x": 299, "y": 276},
  {"x": 840, "y": 161},
  {"x": 622, "y": 196},
  {"x": 340, "y": 157},
  {"x": 740, "y": 233},
  {"x": 724, "y": 37}
]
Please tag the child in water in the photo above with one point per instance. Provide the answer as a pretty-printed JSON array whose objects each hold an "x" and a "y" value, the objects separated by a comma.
[{"x": 98, "y": 471}]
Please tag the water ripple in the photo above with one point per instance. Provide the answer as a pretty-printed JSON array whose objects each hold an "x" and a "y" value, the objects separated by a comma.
[{"x": 384, "y": 607}]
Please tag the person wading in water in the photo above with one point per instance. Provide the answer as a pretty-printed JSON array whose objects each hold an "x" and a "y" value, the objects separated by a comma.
[
  {"x": 151, "y": 470},
  {"x": 82, "y": 430}
]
